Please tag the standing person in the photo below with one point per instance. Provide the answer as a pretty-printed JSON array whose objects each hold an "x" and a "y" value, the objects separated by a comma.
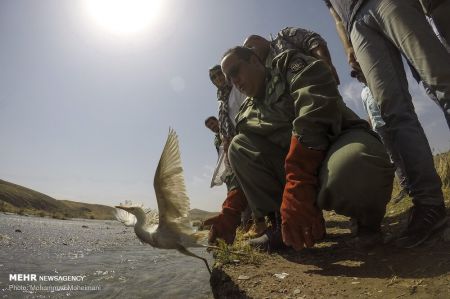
[
  {"x": 309, "y": 43},
  {"x": 352, "y": 60},
  {"x": 230, "y": 100},
  {"x": 297, "y": 148},
  {"x": 213, "y": 124},
  {"x": 377, "y": 32},
  {"x": 225, "y": 224}
]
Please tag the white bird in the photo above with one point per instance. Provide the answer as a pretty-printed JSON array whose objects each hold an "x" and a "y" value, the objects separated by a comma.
[{"x": 173, "y": 230}]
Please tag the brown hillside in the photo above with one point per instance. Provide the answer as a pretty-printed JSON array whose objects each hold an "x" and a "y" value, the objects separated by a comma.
[{"x": 21, "y": 200}]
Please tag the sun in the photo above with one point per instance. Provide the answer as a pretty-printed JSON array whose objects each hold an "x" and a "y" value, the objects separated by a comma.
[{"x": 124, "y": 16}]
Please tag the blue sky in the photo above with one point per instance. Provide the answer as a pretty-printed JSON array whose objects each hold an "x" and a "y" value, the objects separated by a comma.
[{"x": 85, "y": 111}]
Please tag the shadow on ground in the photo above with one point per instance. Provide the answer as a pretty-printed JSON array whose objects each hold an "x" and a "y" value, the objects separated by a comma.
[
  {"x": 334, "y": 269},
  {"x": 334, "y": 257},
  {"x": 224, "y": 287}
]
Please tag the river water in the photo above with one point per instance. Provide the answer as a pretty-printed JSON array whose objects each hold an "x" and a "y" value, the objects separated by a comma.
[{"x": 102, "y": 259}]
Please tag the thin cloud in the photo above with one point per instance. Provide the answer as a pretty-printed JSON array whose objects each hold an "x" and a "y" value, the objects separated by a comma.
[{"x": 351, "y": 93}]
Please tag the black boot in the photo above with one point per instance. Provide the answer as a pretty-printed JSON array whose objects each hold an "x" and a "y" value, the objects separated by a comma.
[{"x": 272, "y": 239}]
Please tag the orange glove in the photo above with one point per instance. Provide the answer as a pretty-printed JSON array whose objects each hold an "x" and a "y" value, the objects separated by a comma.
[
  {"x": 302, "y": 223},
  {"x": 224, "y": 225}
]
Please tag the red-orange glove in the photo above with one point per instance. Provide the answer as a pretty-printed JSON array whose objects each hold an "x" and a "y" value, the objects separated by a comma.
[
  {"x": 224, "y": 225},
  {"x": 302, "y": 223}
]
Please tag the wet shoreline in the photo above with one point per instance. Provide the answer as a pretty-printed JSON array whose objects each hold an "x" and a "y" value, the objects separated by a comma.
[{"x": 108, "y": 254}]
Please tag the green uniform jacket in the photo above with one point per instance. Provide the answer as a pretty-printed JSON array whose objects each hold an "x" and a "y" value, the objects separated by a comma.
[{"x": 302, "y": 99}]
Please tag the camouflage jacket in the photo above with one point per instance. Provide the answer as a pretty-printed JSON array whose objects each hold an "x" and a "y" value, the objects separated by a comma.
[
  {"x": 294, "y": 38},
  {"x": 301, "y": 98}
]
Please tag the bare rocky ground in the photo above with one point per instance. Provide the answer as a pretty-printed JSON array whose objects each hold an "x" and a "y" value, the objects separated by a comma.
[{"x": 332, "y": 269}]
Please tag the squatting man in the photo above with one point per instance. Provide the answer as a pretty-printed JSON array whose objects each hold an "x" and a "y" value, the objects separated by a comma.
[{"x": 297, "y": 148}]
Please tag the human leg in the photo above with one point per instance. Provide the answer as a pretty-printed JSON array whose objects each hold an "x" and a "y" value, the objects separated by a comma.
[
  {"x": 381, "y": 63},
  {"x": 360, "y": 158},
  {"x": 405, "y": 25},
  {"x": 258, "y": 165}
]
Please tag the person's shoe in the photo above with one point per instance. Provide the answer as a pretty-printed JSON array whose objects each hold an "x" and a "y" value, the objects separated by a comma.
[
  {"x": 423, "y": 221},
  {"x": 257, "y": 230},
  {"x": 272, "y": 239},
  {"x": 402, "y": 194}
]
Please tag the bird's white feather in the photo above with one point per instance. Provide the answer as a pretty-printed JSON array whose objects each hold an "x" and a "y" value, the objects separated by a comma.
[
  {"x": 128, "y": 219},
  {"x": 170, "y": 189},
  {"x": 173, "y": 230},
  {"x": 151, "y": 217}
]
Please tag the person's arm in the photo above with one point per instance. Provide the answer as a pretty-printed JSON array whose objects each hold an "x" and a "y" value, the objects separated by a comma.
[
  {"x": 318, "y": 119},
  {"x": 310, "y": 43},
  {"x": 321, "y": 52},
  {"x": 317, "y": 102},
  {"x": 346, "y": 43}
]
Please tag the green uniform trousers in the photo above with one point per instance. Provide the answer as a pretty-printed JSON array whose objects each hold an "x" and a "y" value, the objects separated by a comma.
[
  {"x": 355, "y": 178},
  {"x": 231, "y": 182}
]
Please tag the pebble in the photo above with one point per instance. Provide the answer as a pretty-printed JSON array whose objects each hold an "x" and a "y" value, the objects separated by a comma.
[
  {"x": 18, "y": 231},
  {"x": 281, "y": 275},
  {"x": 243, "y": 277}
]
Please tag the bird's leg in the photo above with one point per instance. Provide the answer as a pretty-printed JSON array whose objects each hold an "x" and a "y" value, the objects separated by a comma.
[{"x": 183, "y": 250}]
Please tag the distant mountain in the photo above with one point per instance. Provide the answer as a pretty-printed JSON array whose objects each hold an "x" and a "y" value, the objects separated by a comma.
[{"x": 21, "y": 200}]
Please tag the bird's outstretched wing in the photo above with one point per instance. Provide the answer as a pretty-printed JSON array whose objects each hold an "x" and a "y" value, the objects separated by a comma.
[
  {"x": 173, "y": 202},
  {"x": 151, "y": 217},
  {"x": 126, "y": 218}
]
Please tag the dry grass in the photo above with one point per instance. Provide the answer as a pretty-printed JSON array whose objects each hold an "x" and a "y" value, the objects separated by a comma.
[
  {"x": 225, "y": 255},
  {"x": 246, "y": 254},
  {"x": 442, "y": 163}
]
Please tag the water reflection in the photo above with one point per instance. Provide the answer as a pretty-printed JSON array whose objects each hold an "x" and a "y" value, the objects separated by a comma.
[{"x": 106, "y": 253}]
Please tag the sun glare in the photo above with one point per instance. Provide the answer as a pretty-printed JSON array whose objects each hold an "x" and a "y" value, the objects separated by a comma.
[{"x": 124, "y": 16}]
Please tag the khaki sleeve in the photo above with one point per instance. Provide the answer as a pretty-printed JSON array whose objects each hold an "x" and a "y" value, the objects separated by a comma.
[
  {"x": 302, "y": 39},
  {"x": 318, "y": 104}
]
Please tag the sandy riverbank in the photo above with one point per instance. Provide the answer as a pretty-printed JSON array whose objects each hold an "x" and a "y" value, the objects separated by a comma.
[{"x": 334, "y": 270}]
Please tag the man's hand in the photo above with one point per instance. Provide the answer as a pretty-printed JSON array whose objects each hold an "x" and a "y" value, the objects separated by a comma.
[
  {"x": 356, "y": 68},
  {"x": 302, "y": 221},
  {"x": 302, "y": 225}
]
